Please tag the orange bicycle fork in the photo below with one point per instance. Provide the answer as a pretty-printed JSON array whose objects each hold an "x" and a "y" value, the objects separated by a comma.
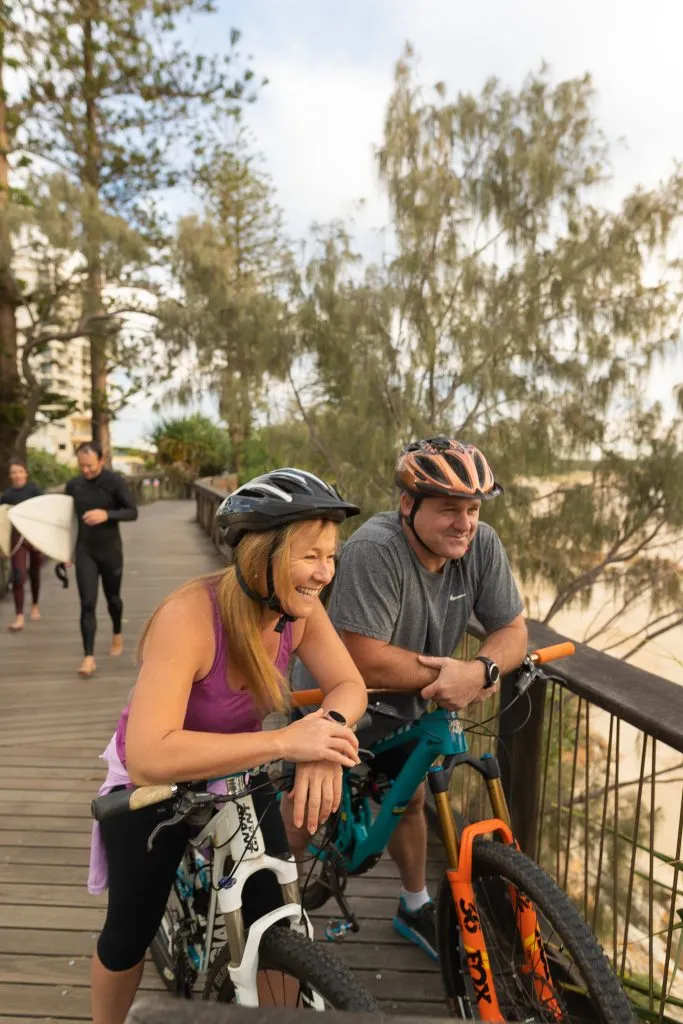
[{"x": 459, "y": 853}]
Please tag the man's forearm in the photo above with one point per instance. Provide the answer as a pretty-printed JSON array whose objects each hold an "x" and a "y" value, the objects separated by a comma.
[
  {"x": 397, "y": 669},
  {"x": 506, "y": 646}
]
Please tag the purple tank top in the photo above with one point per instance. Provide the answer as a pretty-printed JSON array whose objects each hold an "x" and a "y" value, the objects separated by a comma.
[{"x": 212, "y": 705}]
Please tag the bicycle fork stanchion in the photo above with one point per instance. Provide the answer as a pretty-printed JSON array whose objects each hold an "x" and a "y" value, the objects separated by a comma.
[{"x": 459, "y": 852}]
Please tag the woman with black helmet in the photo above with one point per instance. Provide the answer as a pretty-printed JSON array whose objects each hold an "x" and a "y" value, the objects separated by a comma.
[{"x": 213, "y": 662}]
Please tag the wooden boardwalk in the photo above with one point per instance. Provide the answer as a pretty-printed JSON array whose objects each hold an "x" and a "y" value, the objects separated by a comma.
[{"x": 53, "y": 726}]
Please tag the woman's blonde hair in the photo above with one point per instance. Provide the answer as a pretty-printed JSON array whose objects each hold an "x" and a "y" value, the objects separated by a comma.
[{"x": 241, "y": 616}]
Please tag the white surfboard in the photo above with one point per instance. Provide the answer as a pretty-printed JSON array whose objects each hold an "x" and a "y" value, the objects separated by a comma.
[
  {"x": 49, "y": 523},
  {"x": 5, "y": 531}
]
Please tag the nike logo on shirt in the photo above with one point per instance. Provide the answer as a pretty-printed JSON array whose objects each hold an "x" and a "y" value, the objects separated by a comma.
[{"x": 456, "y": 597}]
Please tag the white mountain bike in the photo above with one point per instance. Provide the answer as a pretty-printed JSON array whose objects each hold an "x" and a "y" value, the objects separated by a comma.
[{"x": 202, "y": 947}]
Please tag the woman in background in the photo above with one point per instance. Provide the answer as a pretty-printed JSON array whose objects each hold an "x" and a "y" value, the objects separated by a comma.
[{"x": 23, "y": 555}]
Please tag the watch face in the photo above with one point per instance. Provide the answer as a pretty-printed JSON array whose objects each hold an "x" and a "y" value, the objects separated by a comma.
[
  {"x": 336, "y": 716},
  {"x": 494, "y": 673}
]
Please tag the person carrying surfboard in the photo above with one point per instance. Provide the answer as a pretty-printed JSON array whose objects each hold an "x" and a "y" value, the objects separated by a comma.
[
  {"x": 25, "y": 559},
  {"x": 102, "y": 500}
]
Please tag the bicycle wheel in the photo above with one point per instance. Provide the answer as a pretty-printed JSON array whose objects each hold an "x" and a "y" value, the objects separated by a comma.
[
  {"x": 291, "y": 968},
  {"x": 584, "y": 984}
]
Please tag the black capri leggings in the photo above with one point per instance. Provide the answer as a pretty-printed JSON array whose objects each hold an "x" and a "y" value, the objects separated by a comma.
[
  {"x": 90, "y": 565},
  {"x": 140, "y": 882}
]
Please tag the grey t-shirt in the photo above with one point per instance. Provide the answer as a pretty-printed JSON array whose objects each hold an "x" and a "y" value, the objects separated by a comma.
[{"x": 382, "y": 590}]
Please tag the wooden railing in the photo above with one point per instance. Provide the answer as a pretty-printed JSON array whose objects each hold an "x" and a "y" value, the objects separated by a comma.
[{"x": 592, "y": 764}]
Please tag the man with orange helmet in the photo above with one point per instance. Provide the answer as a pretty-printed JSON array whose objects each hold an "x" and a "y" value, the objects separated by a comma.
[{"x": 405, "y": 589}]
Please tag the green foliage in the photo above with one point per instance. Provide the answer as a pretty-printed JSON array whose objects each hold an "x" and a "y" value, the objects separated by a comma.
[
  {"x": 516, "y": 313},
  {"x": 114, "y": 98},
  {"x": 45, "y": 470},
  {"x": 191, "y": 446},
  {"x": 231, "y": 264}
]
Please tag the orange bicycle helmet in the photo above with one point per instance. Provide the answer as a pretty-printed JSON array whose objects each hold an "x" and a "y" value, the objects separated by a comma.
[{"x": 439, "y": 466}]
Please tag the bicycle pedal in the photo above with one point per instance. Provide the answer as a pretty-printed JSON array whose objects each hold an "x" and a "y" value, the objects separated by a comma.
[{"x": 336, "y": 930}]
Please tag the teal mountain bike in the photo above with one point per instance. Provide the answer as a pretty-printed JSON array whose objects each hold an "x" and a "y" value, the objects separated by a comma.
[{"x": 512, "y": 946}]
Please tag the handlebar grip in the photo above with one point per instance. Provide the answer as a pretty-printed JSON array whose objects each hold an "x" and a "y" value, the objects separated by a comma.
[
  {"x": 111, "y": 804},
  {"x": 552, "y": 653}
]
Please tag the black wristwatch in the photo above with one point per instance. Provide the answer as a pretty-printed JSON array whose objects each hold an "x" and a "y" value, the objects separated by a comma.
[
  {"x": 492, "y": 671},
  {"x": 335, "y": 716}
]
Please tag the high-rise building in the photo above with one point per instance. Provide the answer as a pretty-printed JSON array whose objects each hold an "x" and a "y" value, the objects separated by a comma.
[{"x": 64, "y": 369}]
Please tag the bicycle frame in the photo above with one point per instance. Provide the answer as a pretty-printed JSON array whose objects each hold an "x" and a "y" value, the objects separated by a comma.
[
  {"x": 233, "y": 834},
  {"x": 436, "y": 737}
]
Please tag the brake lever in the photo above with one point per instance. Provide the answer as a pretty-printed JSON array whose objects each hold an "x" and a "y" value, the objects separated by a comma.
[
  {"x": 175, "y": 820},
  {"x": 529, "y": 672},
  {"x": 187, "y": 803}
]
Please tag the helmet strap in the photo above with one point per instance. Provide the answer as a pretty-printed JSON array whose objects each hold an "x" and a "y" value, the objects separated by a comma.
[
  {"x": 410, "y": 520},
  {"x": 272, "y": 601}
]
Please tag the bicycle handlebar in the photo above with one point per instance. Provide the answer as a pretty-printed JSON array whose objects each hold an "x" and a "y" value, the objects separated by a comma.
[
  {"x": 552, "y": 653},
  {"x": 305, "y": 698},
  {"x": 112, "y": 804}
]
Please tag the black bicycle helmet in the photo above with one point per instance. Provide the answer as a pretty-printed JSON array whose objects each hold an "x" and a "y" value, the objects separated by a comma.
[
  {"x": 273, "y": 501},
  {"x": 277, "y": 499}
]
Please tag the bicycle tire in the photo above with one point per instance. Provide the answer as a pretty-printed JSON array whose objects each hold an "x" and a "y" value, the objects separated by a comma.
[
  {"x": 283, "y": 949},
  {"x": 494, "y": 865}
]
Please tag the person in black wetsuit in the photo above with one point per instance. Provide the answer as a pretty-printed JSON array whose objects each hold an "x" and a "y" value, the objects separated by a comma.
[
  {"x": 23, "y": 554},
  {"x": 102, "y": 501}
]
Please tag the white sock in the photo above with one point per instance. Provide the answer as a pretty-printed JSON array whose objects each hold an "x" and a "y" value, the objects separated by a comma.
[{"x": 414, "y": 900}]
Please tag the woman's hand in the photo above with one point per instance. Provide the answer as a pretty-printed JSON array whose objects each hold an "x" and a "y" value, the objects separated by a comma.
[
  {"x": 316, "y": 793},
  {"x": 314, "y": 738}
]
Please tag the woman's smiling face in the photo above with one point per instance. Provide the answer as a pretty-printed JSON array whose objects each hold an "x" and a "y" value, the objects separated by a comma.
[{"x": 311, "y": 565}]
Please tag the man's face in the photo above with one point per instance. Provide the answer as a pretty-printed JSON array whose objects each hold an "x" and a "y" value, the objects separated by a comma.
[{"x": 446, "y": 525}]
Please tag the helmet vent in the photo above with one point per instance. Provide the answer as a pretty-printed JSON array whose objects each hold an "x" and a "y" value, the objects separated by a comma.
[
  {"x": 481, "y": 472},
  {"x": 458, "y": 468},
  {"x": 432, "y": 468}
]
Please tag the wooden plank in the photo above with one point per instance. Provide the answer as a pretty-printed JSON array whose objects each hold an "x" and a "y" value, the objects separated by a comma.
[
  {"x": 45, "y": 822},
  {"x": 43, "y": 855},
  {"x": 58, "y": 970},
  {"x": 78, "y": 795},
  {"x": 45, "y": 874},
  {"x": 40, "y": 1001},
  {"x": 55, "y": 918},
  {"x": 48, "y": 943},
  {"x": 15, "y": 894},
  {"x": 55, "y": 778},
  {"x": 25, "y": 839}
]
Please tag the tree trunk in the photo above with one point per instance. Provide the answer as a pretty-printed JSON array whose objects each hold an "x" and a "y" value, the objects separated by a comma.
[
  {"x": 11, "y": 410},
  {"x": 92, "y": 299}
]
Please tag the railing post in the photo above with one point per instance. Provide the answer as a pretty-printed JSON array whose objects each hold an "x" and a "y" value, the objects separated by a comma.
[{"x": 520, "y": 754}]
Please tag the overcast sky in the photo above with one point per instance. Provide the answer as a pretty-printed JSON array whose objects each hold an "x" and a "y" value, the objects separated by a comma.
[{"x": 330, "y": 68}]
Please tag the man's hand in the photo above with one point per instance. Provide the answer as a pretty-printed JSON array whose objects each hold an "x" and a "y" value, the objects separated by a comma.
[
  {"x": 95, "y": 516},
  {"x": 316, "y": 794},
  {"x": 458, "y": 683}
]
